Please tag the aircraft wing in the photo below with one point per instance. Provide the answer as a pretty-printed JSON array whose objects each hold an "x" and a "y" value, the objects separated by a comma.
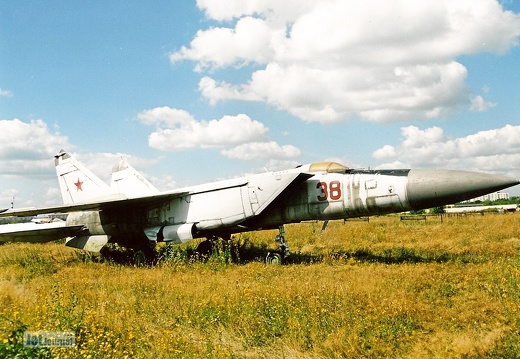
[
  {"x": 295, "y": 180},
  {"x": 120, "y": 201},
  {"x": 110, "y": 202},
  {"x": 37, "y": 232}
]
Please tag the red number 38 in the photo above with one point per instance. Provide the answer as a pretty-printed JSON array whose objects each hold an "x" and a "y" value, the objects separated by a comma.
[{"x": 331, "y": 190}]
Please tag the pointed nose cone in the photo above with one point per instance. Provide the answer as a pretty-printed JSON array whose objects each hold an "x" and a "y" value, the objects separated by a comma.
[{"x": 433, "y": 188}]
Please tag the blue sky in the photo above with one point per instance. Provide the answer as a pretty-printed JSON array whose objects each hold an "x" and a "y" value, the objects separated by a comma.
[{"x": 191, "y": 92}]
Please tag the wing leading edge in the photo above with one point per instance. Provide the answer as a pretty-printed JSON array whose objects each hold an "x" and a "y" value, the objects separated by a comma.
[{"x": 110, "y": 202}]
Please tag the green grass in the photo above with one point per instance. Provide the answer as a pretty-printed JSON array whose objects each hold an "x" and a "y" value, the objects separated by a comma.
[{"x": 382, "y": 288}]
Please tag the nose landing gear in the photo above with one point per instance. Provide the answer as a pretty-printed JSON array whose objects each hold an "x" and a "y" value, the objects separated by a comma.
[{"x": 277, "y": 258}]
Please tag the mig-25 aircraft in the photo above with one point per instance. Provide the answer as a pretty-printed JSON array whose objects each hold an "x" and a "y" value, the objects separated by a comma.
[{"x": 132, "y": 212}]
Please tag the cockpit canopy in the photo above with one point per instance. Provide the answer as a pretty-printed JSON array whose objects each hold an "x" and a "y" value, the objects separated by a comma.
[{"x": 329, "y": 167}]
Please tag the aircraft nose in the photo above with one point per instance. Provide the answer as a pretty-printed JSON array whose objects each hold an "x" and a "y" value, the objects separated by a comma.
[{"x": 433, "y": 188}]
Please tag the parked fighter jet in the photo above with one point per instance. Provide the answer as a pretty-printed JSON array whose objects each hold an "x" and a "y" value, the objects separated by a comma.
[{"x": 132, "y": 212}]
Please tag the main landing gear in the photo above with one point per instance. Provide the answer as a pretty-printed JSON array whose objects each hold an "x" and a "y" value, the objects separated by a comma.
[
  {"x": 211, "y": 244},
  {"x": 279, "y": 256},
  {"x": 205, "y": 248}
]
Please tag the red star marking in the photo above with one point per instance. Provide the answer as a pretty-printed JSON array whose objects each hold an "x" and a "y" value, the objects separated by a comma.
[{"x": 78, "y": 185}]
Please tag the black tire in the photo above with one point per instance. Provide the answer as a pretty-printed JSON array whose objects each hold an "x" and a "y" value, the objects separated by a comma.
[
  {"x": 274, "y": 259},
  {"x": 139, "y": 258},
  {"x": 205, "y": 248}
]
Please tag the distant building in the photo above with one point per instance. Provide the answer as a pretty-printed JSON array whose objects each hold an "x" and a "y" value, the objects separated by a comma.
[
  {"x": 477, "y": 208},
  {"x": 490, "y": 197}
]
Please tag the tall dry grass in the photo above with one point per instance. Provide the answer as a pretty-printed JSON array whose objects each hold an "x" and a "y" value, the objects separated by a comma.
[{"x": 379, "y": 289}]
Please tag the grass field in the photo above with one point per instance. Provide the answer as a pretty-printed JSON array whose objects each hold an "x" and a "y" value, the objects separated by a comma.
[{"x": 382, "y": 288}]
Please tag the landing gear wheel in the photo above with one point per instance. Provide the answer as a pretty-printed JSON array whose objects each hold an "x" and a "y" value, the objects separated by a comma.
[
  {"x": 273, "y": 258},
  {"x": 205, "y": 248},
  {"x": 139, "y": 258},
  {"x": 144, "y": 255}
]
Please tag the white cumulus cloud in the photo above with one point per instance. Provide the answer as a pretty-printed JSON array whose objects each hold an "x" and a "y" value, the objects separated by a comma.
[
  {"x": 28, "y": 147},
  {"x": 6, "y": 93},
  {"x": 480, "y": 105},
  {"x": 330, "y": 60},
  {"x": 247, "y": 42},
  {"x": 261, "y": 150},
  {"x": 165, "y": 117},
  {"x": 190, "y": 134},
  {"x": 495, "y": 150},
  {"x": 240, "y": 137}
]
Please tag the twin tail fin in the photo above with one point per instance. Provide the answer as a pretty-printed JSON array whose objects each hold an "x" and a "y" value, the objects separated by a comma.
[{"x": 79, "y": 185}]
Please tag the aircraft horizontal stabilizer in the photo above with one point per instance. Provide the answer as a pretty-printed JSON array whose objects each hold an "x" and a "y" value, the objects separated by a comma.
[
  {"x": 37, "y": 232},
  {"x": 88, "y": 243}
]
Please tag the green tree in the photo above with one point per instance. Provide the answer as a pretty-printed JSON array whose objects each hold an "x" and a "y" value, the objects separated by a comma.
[{"x": 438, "y": 210}]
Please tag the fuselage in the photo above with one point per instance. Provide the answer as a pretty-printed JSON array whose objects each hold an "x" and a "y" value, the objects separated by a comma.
[
  {"x": 247, "y": 204},
  {"x": 321, "y": 191}
]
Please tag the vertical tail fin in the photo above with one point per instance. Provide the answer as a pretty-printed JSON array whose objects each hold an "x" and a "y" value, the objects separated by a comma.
[
  {"x": 126, "y": 180},
  {"x": 77, "y": 183}
]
